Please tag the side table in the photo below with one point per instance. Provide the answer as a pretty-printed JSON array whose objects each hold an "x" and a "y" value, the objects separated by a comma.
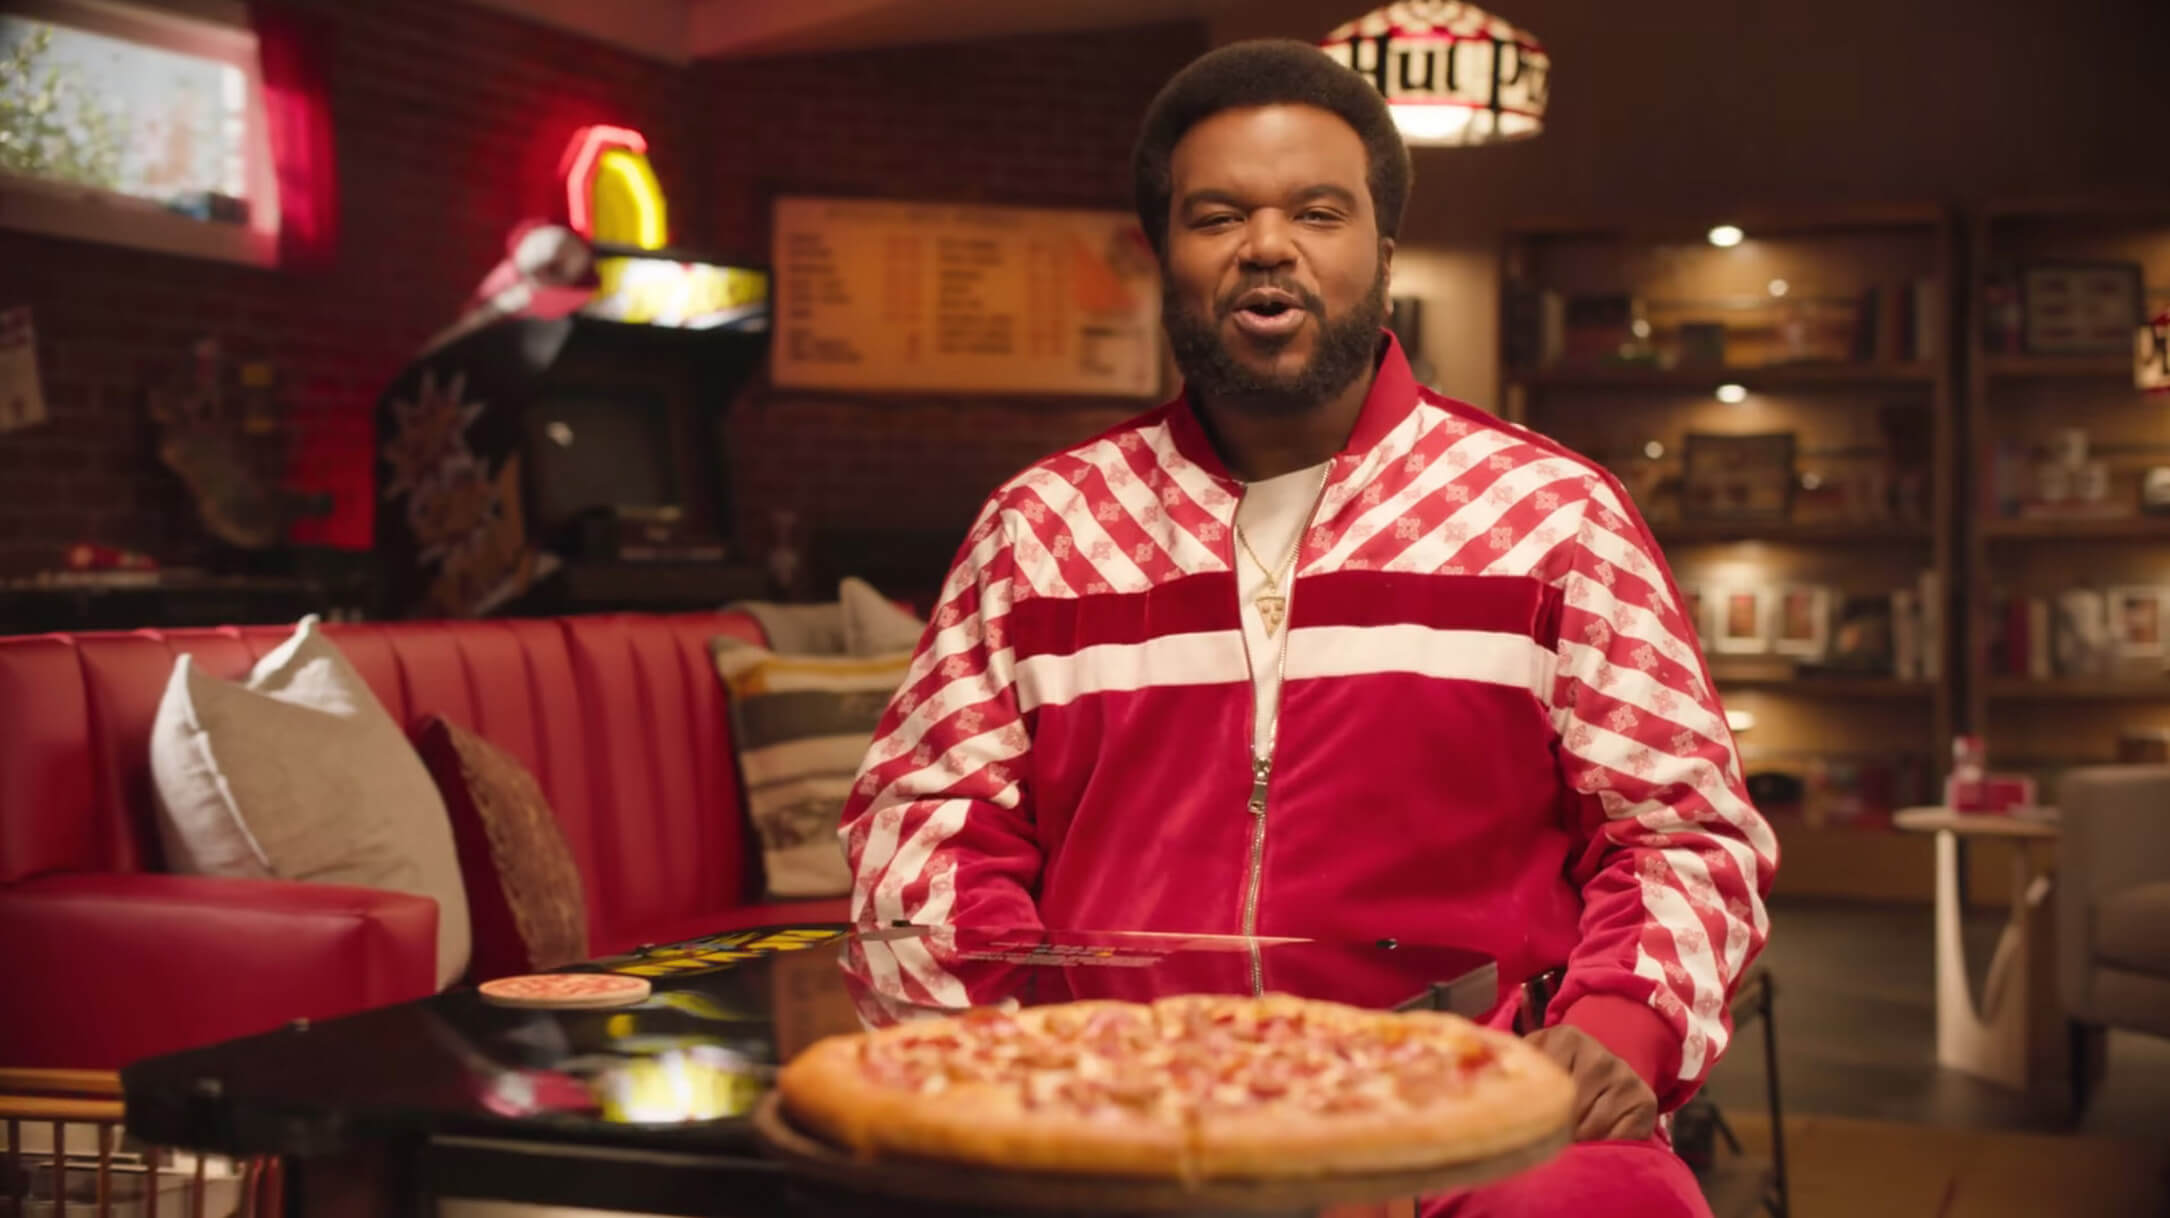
[{"x": 2014, "y": 1035}]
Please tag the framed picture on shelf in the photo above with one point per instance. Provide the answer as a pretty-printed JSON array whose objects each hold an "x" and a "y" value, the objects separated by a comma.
[
  {"x": 1740, "y": 621},
  {"x": 2080, "y": 308},
  {"x": 1861, "y": 639},
  {"x": 2137, "y": 622},
  {"x": 1737, "y": 477},
  {"x": 1802, "y": 625},
  {"x": 1702, "y": 344},
  {"x": 1695, "y": 606}
]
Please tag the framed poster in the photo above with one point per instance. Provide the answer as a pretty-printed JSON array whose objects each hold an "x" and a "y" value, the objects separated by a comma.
[
  {"x": 1695, "y": 606},
  {"x": 1803, "y": 625},
  {"x": 883, "y": 296},
  {"x": 1741, "y": 621},
  {"x": 2081, "y": 308},
  {"x": 2137, "y": 622},
  {"x": 1737, "y": 477}
]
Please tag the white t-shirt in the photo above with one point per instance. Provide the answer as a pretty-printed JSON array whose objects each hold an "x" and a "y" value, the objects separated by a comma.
[{"x": 1273, "y": 515}]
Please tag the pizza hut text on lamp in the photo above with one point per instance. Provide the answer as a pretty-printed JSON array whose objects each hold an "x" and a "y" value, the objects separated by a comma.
[{"x": 1452, "y": 74}]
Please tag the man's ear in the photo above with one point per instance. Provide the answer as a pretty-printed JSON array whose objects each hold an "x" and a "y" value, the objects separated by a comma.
[{"x": 1386, "y": 262}]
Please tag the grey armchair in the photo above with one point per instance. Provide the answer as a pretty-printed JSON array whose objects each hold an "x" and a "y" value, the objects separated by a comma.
[{"x": 2113, "y": 897}]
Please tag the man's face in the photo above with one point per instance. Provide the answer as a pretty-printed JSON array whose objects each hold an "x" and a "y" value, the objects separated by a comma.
[{"x": 1276, "y": 277}]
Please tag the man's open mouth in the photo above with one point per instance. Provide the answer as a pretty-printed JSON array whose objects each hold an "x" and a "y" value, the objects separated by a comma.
[{"x": 1268, "y": 312}]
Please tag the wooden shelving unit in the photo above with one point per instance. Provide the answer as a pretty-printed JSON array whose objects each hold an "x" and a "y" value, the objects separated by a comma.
[
  {"x": 1705, "y": 377},
  {"x": 1633, "y": 414},
  {"x": 2056, "y": 367},
  {"x": 2076, "y": 689},
  {"x": 1791, "y": 532},
  {"x": 2016, "y": 402},
  {"x": 2078, "y": 528},
  {"x": 1878, "y": 689}
]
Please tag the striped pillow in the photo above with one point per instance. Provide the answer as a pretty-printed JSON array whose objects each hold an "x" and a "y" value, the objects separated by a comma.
[{"x": 802, "y": 726}]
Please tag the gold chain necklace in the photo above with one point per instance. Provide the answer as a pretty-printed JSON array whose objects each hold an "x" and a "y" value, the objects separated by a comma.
[{"x": 1272, "y": 604}]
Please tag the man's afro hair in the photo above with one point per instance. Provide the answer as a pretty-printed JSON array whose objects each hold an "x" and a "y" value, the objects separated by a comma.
[{"x": 1267, "y": 72}]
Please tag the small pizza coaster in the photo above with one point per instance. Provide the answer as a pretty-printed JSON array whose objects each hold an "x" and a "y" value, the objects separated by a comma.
[{"x": 566, "y": 991}]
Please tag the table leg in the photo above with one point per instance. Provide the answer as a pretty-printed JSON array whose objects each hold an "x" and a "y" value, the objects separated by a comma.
[{"x": 2000, "y": 1038}]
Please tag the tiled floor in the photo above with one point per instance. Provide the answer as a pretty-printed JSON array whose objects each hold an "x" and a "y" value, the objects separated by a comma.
[{"x": 1857, "y": 1034}]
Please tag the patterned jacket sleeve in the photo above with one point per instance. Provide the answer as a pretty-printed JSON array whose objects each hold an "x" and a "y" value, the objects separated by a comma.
[
  {"x": 1675, "y": 861},
  {"x": 938, "y": 828}
]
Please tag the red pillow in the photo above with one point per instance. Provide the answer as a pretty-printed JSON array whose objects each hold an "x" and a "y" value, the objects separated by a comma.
[{"x": 524, "y": 895}]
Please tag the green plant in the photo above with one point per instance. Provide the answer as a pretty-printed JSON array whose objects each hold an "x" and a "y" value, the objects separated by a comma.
[{"x": 51, "y": 126}]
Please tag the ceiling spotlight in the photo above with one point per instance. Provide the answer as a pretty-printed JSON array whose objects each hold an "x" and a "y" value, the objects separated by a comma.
[
  {"x": 1780, "y": 287},
  {"x": 1653, "y": 450},
  {"x": 1732, "y": 395},
  {"x": 1726, "y": 236}
]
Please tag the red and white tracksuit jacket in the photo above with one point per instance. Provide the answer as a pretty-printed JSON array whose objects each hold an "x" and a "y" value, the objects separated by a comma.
[{"x": 1496, "y": 727}]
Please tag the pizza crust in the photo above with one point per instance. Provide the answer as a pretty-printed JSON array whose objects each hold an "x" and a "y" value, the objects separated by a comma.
[
  {"x": 979, "y": 1113},
  {"x": 1519, "y": 1103}
]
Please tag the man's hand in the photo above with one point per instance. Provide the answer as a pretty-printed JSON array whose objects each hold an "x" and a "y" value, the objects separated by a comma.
[{"x": 1611, "y": 1100}]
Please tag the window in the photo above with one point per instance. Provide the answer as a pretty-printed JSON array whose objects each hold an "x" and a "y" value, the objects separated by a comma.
[{"x": 136, "y": 125}]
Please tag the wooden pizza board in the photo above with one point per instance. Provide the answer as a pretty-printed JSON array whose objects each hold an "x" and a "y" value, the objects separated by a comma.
[{"x": 994, "y": 1189}]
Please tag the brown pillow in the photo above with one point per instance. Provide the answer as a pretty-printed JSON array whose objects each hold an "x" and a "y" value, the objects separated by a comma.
[{"x": 524, "y": 894}]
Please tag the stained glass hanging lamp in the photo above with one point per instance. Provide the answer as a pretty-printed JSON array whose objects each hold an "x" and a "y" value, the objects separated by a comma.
[{"x": 1452, "y": 74}]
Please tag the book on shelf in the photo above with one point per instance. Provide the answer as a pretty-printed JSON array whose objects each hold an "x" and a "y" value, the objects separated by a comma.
[
  {"x": 1900, "y": 322},
  {"x": 1927, "y": 340},
  {"x": 1917, "y": 629},
  {"x": 1533, "y": 332},
  {"x": 1596, "y": 329},
  {"x": 1930, "y": 592},
  {"x": 1905, "y": 635}
]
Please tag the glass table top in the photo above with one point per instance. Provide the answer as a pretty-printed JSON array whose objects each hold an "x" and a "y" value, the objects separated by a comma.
[{"x": 686, "y": 1065}]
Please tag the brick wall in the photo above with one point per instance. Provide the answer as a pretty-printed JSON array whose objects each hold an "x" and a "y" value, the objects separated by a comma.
[
  {"x": 1037, "y": 121},
  {"x": 449, "y": 122}
]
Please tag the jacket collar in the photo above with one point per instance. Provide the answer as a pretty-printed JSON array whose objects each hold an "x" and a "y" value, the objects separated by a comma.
[{"x": 1392, "y": 398}]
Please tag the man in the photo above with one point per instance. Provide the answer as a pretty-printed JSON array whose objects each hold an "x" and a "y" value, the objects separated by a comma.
[{"x": 1313, "y": 651}]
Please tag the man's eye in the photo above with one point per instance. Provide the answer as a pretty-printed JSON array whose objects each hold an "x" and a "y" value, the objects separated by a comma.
[
  {"x": 1319, "y": 215},
  {"x": 1216, "y": 220}
]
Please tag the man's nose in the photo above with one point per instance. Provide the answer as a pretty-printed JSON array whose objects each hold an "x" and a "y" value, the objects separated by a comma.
[{"x": 1266, "y": 242}]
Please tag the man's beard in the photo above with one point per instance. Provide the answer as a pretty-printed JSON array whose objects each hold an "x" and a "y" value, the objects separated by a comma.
[{"x": 1344, "y": 351}]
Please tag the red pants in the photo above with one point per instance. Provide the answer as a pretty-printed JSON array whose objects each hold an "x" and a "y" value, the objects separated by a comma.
[{"x": 1617, "y": 1179}]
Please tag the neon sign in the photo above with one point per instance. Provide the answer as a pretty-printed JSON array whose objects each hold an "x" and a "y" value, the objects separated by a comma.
[
  {"x": 611, "y": 193},
  {"x": 613, "y": 200}
]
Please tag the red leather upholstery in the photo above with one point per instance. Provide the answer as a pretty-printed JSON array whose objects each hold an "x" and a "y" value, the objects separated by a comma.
[
  {"x": 103, "y": 969},
  {"x": 620, "y": 718}
]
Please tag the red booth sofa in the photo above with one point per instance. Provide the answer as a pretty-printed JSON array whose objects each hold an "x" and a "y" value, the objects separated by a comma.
[{"x": 104, "y": 958}]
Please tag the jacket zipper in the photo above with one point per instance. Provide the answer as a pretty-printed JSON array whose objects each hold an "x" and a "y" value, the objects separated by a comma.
[
  {"x": 1261, "y": 773},
  {"x": 1262, "y": 762}
]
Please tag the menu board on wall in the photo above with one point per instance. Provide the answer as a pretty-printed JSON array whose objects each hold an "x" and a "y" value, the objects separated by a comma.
[{"x": 916, "y": 297}]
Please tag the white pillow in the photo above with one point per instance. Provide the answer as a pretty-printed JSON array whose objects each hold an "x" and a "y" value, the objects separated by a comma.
[
  {"x": 301, "y": 774},
  {"x": 799, "y": 630},
  {"x": 873, "y": 624}
]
